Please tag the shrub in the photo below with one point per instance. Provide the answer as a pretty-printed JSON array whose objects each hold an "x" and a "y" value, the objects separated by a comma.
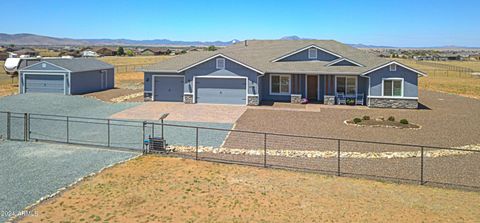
[
  {"x": 357, "y": 120},
  {"x": 391, "y": 118},
  {"x": 366, "y": 117},
  {"x": 404, "y": 121}
]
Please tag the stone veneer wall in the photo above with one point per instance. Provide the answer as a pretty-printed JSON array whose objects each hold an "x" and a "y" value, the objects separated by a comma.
[
  {"x": 392, "y": 103},
  {"x": 147, "y": 96},
  {"x": 253, "y": 100},
  {"x": 188, "y": 98},
  {"x": 329, "y": 99},
  {"x": 296, "y": 98}
]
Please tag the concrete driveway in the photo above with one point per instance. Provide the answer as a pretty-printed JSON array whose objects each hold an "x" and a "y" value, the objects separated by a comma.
[{"x": 183, "y": 112}]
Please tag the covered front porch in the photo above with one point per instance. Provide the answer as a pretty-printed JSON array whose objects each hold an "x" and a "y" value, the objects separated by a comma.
[{"x": 326, "y": 89}]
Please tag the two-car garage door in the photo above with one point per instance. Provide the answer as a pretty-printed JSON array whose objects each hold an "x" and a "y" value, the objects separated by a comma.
[
  {"x": 44, "y": 83},
  {"x": 211, "y": 90},
  {"x": 220, "y": 90}
]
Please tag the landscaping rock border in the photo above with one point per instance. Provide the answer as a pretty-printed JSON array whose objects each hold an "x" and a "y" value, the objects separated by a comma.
[
  {"x": 328, "y": 154},
  {"x": 385, "y": 126}
]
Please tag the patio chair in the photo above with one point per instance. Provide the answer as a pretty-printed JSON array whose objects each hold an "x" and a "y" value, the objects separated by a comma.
[
  {"x": 341, "y": 99},
  {"x": 359, "y": 99}
]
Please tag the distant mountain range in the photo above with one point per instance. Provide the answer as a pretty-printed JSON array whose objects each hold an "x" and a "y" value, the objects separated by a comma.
[{"x": 27, "y": 39}]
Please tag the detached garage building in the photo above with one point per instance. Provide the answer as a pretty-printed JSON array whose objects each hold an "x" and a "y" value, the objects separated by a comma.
[{"x": 67, "y": 76}]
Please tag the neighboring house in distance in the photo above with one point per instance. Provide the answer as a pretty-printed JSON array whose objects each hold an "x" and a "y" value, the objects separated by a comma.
[
  {"x": 27, "y": 51},
  {"x": 250, "y": 72},
  {"x": 67, "y": 76},
  {"x": 106, "y": 52},
  {"x": 147, "y": 52}
]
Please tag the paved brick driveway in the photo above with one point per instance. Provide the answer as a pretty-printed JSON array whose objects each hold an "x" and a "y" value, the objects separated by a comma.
[{"x": 183, "y": 112}]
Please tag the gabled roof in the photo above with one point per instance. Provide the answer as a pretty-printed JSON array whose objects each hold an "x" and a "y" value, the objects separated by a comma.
[
  {"x": 396, "y": 63},
  {"x": 305, "y": 48},
  {"x": 76, "y": 64},
  {"x": 343, "y": 59},
  {"x": 261, "y": 54}
]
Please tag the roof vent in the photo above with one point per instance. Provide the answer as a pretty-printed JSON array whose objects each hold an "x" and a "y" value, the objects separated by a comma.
[{"x": 246, "y": 43}]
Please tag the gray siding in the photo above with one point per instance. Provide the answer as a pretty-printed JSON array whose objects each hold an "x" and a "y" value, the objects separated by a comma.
[
  {"x": 48, "y": 67},
  {"x": 410, "y": 80},
  {"x": 208, "y": 68},
  {"x": 90, "y": 81},
  {"x": 303, "y": 56},
  {"x": 363, "y": 86},
  {"x": 265, "y": 89}
]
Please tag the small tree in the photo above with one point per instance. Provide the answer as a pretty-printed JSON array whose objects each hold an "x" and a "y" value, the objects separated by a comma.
[
  {"x": 212, "y": 48},
  {"x": 120, "y": 51},
  {"x": 130, "y": 53}
]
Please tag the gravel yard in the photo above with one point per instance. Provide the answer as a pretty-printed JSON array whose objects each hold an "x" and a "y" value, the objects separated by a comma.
[
  {"x": 30, "y": 171},
  {"x": 448, "y": 121}
]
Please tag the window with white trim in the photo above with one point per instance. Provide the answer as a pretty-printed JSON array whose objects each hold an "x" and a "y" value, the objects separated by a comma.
[
  {"x": 393, "y": 87},
  {"x": 279, "y": 84},
  {"x": 347, "y": 85},
  {"x": 393, "y": 67},
  {"x": 220, "y": 63},
  {"x": 312, "y": 53}
]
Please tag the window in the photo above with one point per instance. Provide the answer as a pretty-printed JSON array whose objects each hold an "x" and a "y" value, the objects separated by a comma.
[
  {"x": 279, "y": 84},
  {"x": 393, "y": 87},
  {"x": 393, "y": 67},
  {"x": 347, "y": 85},
  {"x": 220, "y": 63},
  {"x": 312, "y": 53}
]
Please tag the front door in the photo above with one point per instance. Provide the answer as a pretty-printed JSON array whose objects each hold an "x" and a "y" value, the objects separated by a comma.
[{"x": 312, "y": 87}]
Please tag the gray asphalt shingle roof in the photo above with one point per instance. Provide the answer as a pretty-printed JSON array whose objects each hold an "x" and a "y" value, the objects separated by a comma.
[
  {"x": 260, "y": 54},
  {"x": 79, "y": 64}
]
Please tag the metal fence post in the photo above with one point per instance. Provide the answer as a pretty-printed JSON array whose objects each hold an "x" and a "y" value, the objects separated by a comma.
[
  {"x": 153, "y": 129},
  {"x": 196, "y": 141},
  {"x": 162, "y": 128},
  {"x": 338, "y": 158},
  {"x": 108, "y": 131},
  {"x": 422, "y": 182},
  {"x": 143, "y": 138},
  {"x": 29, "y": 128},
  {"x": 9, "y": 116},
  {"x": 25, "y": 127},
  {"x": 68, "y": 129},
  {"x": 264, "y": 149}
]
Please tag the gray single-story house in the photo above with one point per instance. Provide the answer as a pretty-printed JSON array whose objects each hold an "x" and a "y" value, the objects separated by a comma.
[
  {"x": 67, "y": 76},
  {"x": 249, "y": 72}
]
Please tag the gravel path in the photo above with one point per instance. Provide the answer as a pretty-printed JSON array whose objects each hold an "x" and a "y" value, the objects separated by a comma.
[{"x": 30, "y": 171}]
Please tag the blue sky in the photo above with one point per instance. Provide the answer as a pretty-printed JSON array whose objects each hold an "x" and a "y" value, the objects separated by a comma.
[{"x": 387, "y": 22}]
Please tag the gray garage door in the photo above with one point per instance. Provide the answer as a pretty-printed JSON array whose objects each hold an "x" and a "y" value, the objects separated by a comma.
[
  {"x": 168, "y": 89},
  {"x": 35, "y": 83},
  {"x": 221, "y": 90}
]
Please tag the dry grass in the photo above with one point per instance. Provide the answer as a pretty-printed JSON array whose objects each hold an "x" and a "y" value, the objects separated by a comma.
[
  {"x": 117, "y": 60},
  {"x": 449, "y": 82},
  {"x": 158, "y": 189},
  {"x": 47, "y": 53}
]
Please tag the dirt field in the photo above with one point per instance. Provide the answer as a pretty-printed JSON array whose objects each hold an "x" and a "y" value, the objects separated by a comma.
[
  {"x": 455, "y": 82},
  {"x": 124, "y": 60},
  {"x": 157, "y": 189}
]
